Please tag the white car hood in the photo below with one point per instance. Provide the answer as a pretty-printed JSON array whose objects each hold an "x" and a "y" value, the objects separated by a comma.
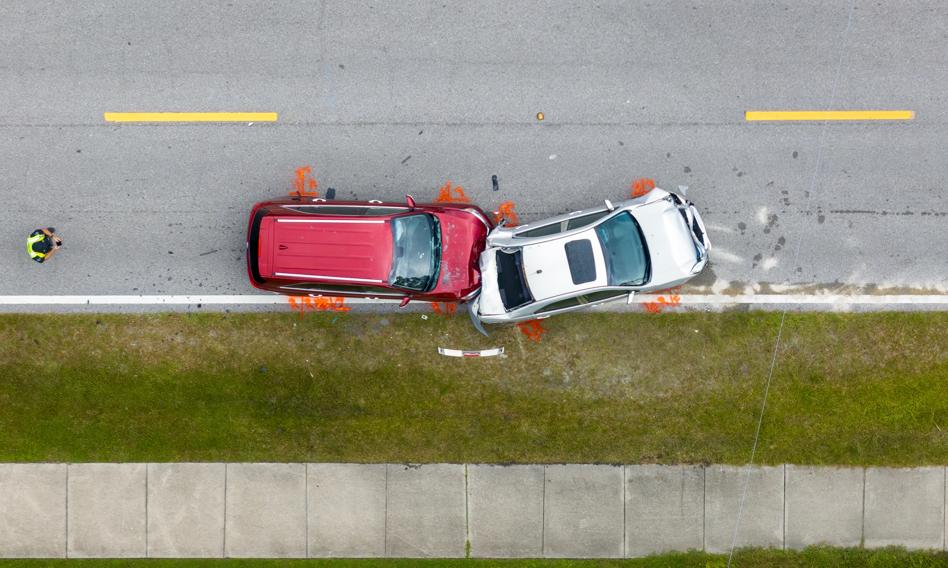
[{"x": 671, "y": 247}]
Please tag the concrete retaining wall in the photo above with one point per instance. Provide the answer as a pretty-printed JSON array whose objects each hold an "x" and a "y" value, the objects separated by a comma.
[{"x": 451, "y": 510}]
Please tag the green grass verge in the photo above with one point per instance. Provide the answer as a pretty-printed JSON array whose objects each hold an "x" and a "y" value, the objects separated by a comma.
[
  {"x": 751, "y": 558},
  {"x": 868, "y": 389}
]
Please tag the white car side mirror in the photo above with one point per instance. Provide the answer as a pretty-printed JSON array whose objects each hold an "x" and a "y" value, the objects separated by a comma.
[
  {"x": 631, "y": 296},
  {"x": 609, "y": 205}
]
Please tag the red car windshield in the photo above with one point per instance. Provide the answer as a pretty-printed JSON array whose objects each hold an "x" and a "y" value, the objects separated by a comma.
[{"x": 416, "y": 259}]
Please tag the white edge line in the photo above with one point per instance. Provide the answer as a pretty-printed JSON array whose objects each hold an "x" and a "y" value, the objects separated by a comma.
[
  {"x": 265, "y": 299},
  {"x": 808, "y": 299}
]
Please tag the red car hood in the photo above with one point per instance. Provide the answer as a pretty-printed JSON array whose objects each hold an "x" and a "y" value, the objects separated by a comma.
[{"x": 463, "y": 237}]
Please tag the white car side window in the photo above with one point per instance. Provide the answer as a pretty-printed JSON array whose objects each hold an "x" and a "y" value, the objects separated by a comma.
[
  {"x": 578, "y": 222},
  {"x": 604, "y": 296},
  {"x": 543, "y": 231},
  {"x": 560, "y": 305}
]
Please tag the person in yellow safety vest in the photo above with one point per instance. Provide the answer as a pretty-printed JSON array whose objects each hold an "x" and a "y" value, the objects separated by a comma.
[{"x": 42, "y": 243}]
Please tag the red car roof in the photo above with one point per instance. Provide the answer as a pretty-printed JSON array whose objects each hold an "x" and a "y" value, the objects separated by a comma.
[{"x": 326, "y": 248}]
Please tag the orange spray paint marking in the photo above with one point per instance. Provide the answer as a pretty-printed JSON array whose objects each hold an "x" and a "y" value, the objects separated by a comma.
[
  {"x": 533, "y": 329},
  {"x": 304, "y": 185},
  {"x": 642, "y": 186},
  {"x": 444, "y": 308},
  {"x": 302, "y": 304},
  {"x": 507, "y": 210},
  {"x": 669, "y": 299},
  {"x": 652, "y": 307},
  {"x": 445, "y": 195}
]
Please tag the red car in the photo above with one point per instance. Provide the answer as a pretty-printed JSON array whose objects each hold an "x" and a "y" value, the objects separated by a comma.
[{"x": 396, "y": 251}]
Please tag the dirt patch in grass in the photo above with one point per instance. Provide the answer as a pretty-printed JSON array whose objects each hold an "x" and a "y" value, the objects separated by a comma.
[{"x": 610, "y": 388}]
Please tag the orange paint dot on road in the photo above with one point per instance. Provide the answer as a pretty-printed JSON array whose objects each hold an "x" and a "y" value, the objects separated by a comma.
[
  {"x": 508, "y": 211},
  {"x": 444, "y": 308},
  {"x": 304, "y": 184},
  {"x": 302, "y": 304},
  {"x": 642, "y": 186},
  {"x": 669, "y": 299},
  {"x": 445, "y": 194}
]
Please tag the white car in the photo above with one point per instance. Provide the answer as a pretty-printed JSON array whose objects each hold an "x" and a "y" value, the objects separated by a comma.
[{"x": 587, "y": 257}]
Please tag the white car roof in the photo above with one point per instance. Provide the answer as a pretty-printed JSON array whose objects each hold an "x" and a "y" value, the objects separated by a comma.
[{"x": 547, "y": 268}]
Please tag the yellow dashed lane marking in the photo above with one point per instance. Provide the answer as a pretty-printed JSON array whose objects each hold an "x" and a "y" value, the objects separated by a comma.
[
  {"x": 766, "y": 115},
  {"x": 190, "y": 117}
]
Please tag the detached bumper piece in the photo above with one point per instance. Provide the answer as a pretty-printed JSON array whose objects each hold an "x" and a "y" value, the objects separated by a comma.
[{"x": 462, "y": 353}]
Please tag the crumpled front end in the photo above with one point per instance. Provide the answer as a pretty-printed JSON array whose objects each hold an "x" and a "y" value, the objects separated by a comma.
[{"x": 677, "y": 241}]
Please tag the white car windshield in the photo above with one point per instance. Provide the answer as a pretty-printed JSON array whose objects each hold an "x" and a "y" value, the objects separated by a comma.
[{"x": 624, "y": 250}]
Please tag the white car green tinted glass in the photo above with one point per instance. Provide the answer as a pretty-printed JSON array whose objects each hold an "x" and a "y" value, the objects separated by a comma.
[
  {"x": 578, "y": 222},
  {"x": 541, "y": 231},
  {"x": 559, "y": 305},
  {"x": 588, "y": 298},
  {"x": 563, "y": 225},
  {"x": 602, "y": 296}
]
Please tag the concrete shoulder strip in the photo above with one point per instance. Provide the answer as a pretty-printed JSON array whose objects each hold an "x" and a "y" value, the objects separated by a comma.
[
  {"x": 426, "y": 514},
  {"x": 266, "y": 510},
  {"x": 761, "y": 520},
  {"x": 905, "y": 507},
  {"x": 824, "y": 506},
  {"x": 664, "y": 508},
  {"x": 584, "y": 512},
  {"x": 274, "y": 510},
  {"x": 32, "y": 510},
  {"x": 185, "y": 510},
  {"x": 346, "y": 510},
  {"x": 106, "y": 510},
  {"x": 506, "y": 510}
]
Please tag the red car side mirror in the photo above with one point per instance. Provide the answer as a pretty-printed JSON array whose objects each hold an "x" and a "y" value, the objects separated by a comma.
[
  {"x": 411, "y": 201},
  {"x": 404, "y": 302}
]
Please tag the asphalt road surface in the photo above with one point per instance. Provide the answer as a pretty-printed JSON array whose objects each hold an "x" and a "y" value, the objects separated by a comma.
[{"x": 383, "y": 99}]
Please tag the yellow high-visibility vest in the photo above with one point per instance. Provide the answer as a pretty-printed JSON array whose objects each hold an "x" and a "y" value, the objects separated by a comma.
[{"x": 32, "y": 241}]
